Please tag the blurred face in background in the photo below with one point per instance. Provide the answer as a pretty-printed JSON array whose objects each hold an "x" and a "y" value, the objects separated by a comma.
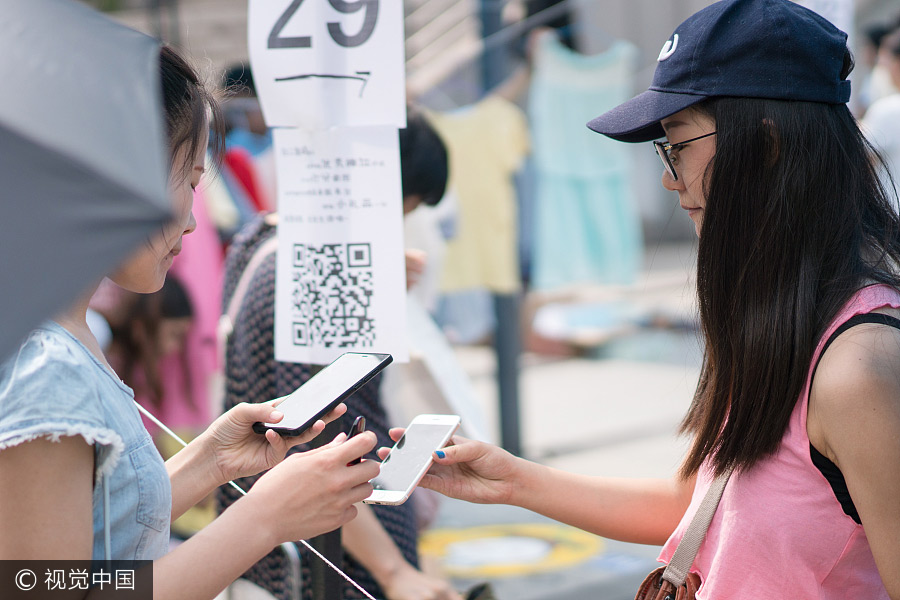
[
  {"x": 411, "y": 203},
  {"x": 255, "y": 121},
  {"x": 172, "y": 335},
  {"x": 244, "y": 112},
  {"x": 888, "y": 56},
  {"x": 892, "y": 64}
]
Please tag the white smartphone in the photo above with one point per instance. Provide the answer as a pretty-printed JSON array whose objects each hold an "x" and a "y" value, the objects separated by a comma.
[
  {"x": 323, "y": 391},
  {"x": 410, "y": 458}
]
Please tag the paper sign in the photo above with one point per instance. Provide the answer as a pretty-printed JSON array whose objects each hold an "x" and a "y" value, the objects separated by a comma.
[
  {"x": 324, "y": 63},
  {"x": 341, "y": 276}
]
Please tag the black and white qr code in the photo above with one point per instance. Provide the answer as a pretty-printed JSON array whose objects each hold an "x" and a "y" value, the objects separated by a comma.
[{"x": 332, "y": 295}]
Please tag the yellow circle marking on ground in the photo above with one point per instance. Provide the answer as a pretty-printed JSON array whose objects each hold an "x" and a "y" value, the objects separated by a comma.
[{"x": 568, "y": 547}]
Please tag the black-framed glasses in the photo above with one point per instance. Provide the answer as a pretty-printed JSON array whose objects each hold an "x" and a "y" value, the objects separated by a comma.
[{"x": 663, "y": 149}]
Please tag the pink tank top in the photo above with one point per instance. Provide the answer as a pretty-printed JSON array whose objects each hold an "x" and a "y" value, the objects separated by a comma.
[{"x": 779, "y": 531}]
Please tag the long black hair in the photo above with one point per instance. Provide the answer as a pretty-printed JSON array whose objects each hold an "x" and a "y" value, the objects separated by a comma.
[
  {"x": 796, "y": 221},
  {"x": 190, "y": 108}
]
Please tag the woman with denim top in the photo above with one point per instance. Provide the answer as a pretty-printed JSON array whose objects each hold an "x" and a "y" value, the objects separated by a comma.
[{"x": 79, "y": 475}]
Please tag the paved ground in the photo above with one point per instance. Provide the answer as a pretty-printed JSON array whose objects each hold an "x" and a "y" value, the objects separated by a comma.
[{"x": 613, "y": 413}]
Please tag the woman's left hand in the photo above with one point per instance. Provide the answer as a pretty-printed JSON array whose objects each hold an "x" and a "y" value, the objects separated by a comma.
[{"x": 238, "y": 451}]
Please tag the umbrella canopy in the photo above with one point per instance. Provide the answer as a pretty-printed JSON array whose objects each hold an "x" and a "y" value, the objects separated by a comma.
[{"x": 83, "y": 167}]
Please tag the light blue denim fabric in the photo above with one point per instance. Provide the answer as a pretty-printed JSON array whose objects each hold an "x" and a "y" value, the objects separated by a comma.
[
  {"x": 587, "y": 228},
  {"x": 54, "y": 387}
]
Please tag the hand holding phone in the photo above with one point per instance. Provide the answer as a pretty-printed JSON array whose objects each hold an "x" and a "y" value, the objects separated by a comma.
[
  {"x": 410, "y": 458},
  {"x": 323, "y": 391},
  {"x": 359, "y": 425},
  {"x": 310, "y": 493},
  {"x": 470, "y": 470}
]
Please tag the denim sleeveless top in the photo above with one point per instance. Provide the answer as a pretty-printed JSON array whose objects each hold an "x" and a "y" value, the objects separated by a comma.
[{"x": 54, "y": 387}]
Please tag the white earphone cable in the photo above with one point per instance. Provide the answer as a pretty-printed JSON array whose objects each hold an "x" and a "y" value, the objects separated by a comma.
[{"x": 178, "y": 439}]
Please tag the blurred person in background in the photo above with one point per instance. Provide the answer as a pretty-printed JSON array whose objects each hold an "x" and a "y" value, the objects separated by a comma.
[
  {"x": 151, "y": 339},
  {"x": 69, "y": 429},
  {"x": 155, "y": 325},
  {"x": 423, "y": 172},
  {"x": 248, "y": 142},
  {"x": 881, "y": 122},
  {"x": 798, "y": 404},
  {"x": 877, "y": 82}
]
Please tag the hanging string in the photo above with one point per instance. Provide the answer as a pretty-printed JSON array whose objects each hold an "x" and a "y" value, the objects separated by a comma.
[{"x": 178, "y": 439}]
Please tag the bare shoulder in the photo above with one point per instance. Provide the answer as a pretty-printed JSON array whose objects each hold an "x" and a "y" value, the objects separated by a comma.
[
  {"x": 854, "y": 419},
  {"x": 857, "y": 386}
]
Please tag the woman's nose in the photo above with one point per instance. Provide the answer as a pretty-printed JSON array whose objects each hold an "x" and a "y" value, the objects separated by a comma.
[
  {"x": 669, "y": 182},
  {"x": 191, "y": 224}
]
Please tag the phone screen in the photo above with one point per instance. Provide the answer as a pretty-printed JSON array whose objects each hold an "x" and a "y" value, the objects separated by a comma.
[
  {"x": 412, "y": 452},
  {"x": 324, "y": 387}
]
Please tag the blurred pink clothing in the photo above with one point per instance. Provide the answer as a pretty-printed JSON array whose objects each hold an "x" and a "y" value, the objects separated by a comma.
[{"x": 200, "y": 268}]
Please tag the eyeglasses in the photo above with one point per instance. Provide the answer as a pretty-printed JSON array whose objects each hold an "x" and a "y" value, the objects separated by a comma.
[{"x": 664, "y": 149}]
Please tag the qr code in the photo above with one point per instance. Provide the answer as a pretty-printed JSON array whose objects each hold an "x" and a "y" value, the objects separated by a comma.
[{"x": 332, "y": 295}]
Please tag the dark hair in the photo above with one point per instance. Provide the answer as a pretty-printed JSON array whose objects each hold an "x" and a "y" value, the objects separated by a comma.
[
  {"x": 796, "y": 221},
  {"x": 876, "y": 33},
  {"x": 186, "y": 102},
  {"x": 891, "y": 42},
  {"x": 238, "y": 81},
  {"x": 423, "y": 160},
  {"x": 136, "y": 339}
]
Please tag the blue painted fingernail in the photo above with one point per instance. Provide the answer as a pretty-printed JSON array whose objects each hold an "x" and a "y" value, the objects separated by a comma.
[{"x": 440, "y": 453}]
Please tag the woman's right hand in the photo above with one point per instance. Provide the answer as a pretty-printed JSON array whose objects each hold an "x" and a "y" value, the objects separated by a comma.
[
  {"x": 310, "y": 493},
  {"x": 469, "y": 470}
]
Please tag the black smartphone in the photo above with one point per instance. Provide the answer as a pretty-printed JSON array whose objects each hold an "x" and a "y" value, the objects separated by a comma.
[
  {"x": 359, "y": 425},
  {"x": 325, "y": 390}
]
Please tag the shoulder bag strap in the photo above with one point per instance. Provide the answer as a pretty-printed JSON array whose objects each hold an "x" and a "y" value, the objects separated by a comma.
[{"x": 680, "y": 565}]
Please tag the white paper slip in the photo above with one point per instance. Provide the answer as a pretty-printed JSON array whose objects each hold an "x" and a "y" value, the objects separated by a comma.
[
  {"x": 341, "y": 276},
  {"x": 324, "y": 63}
]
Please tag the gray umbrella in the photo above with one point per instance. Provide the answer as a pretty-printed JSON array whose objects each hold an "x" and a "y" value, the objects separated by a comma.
[{"x": 82, "y": 155}]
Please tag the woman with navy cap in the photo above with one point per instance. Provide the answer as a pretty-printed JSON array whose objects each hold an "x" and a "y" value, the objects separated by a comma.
[{"x": 797, "y": 279}]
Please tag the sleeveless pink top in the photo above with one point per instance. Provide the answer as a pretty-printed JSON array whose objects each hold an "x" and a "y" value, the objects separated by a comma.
[{"x": 779, "y": 531}]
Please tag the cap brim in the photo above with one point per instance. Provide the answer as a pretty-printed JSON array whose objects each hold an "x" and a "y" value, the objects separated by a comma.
[{"x": 638, "y": 119}]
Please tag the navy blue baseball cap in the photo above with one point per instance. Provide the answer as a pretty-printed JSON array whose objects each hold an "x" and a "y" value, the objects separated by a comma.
[{"x": 773, "y": 49}]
